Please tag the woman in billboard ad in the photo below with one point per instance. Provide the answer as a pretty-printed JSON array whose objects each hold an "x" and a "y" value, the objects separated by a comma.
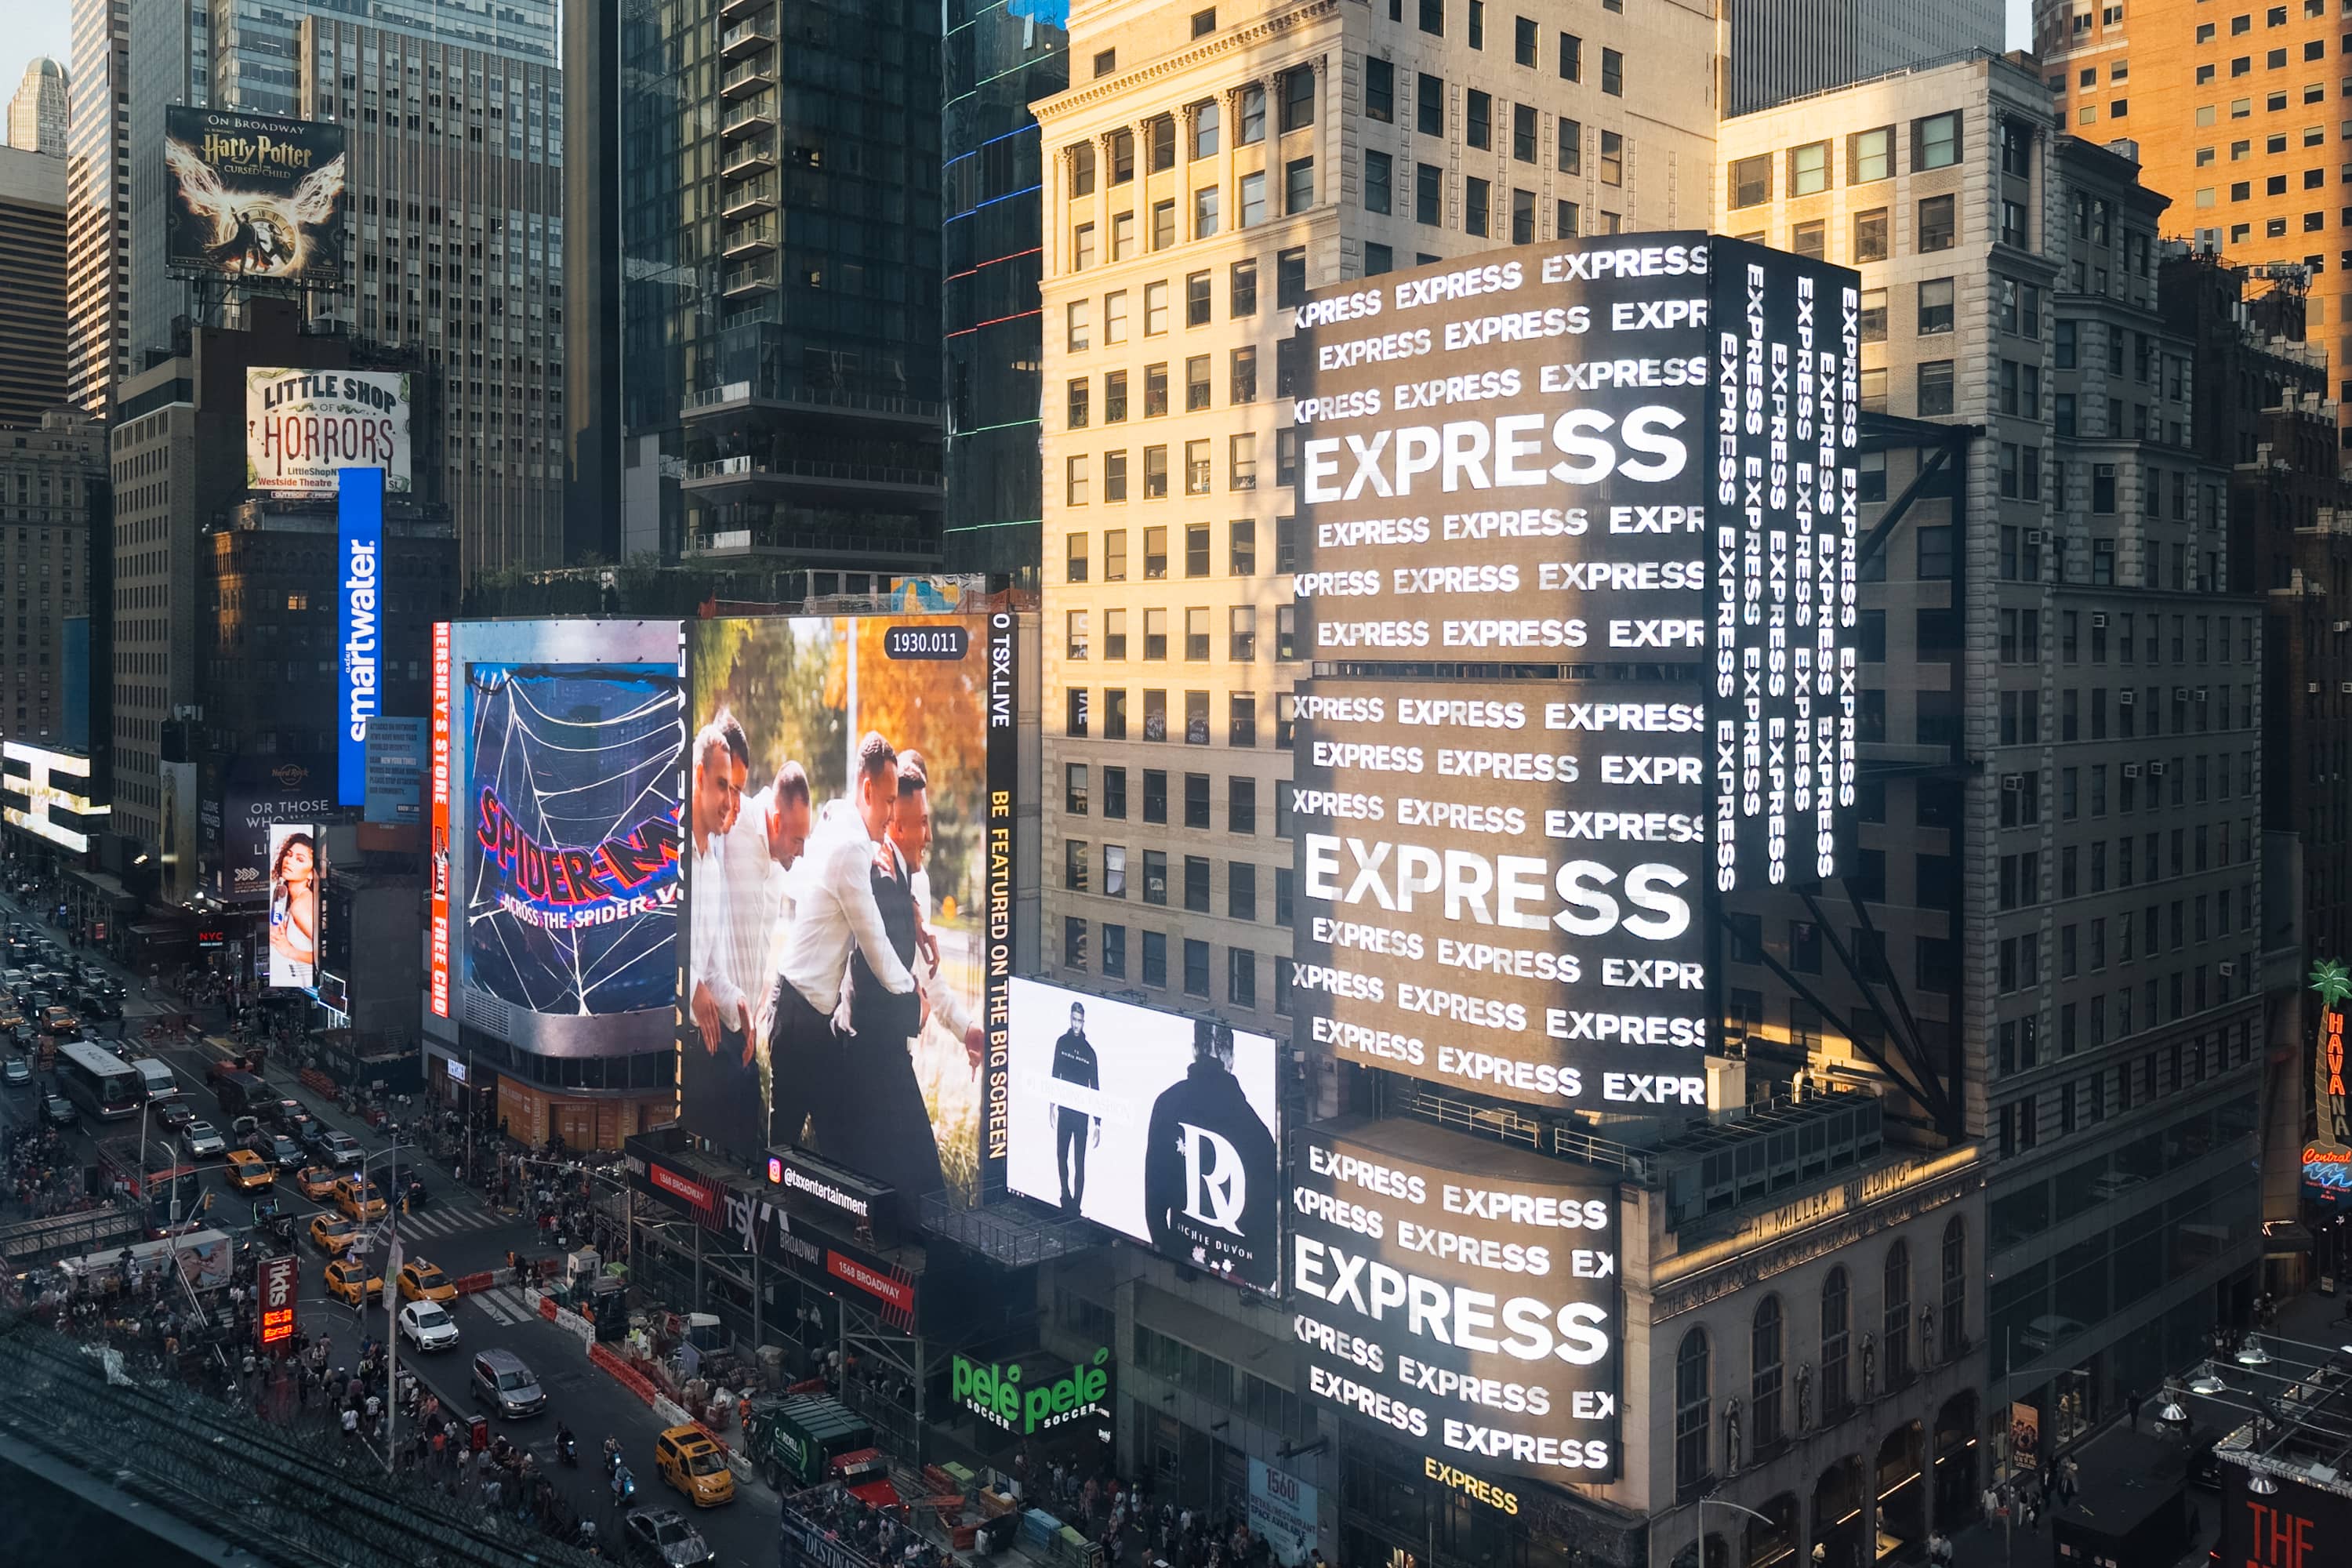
[
  {"x": 837, "y": 881},
  {"x": 293, "y": 907}
]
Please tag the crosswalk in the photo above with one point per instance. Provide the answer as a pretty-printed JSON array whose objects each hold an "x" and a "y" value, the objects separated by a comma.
[
  {"x": 453, "y": 1220},
  {"x": 505, "y": 1305}
]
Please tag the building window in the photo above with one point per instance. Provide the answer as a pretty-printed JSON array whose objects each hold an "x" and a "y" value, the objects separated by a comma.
[
  {"x": 1241, "y": 977},
  {"x": 1474, "y": 192},
  {"x": 1155, "y": 959},
  {"x": 1936, "y": 225},
  {"x": 1477, "y": 114},
  {"x": 1896, "y": 1339},
  {"x": 1571, "y": 57},
  {"x": 1196, "y": 968},
  {"x": 1612, "y": 159},
  {"x": 1379, "y": 91},
  {"x": 1752, "y": 182},
  {"x": 1764, "y": 1381},
  {"x": 1205, "y": 125},
  {"x": 1253, "y": 127},
  {"x": 1870, "y": 235},
  {"x": 1428, "y": 105},
  {"x": 1298, "y": 185},
  {"x": 1836, "y": 1317},
  {"x": 1297, "y": 99},
  {"x": 1377, "y": 167},
  {"x": 1692, "y": 1427},
  {"x": 1956, "y": 1275},
  {"x": 1935, "y": 388},
  {"x": 1809, "y": 175},
  {"x": 1612, "y": 73},
  {"x": 1870, "y": 155},
  {"x": 1935, "y": 141},
  {"x": 1936, "y": 307}
]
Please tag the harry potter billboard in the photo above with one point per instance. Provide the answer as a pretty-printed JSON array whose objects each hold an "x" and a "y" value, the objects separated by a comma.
[{"x": 254, "y": 195}]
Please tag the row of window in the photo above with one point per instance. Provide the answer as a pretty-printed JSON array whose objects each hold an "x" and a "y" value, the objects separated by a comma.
[
  {"x": 1888, "y": 1359},
  {"x": 2086, "y": 1100},
  {"x": 2275, "y": 102},
  {"x": 1151, "y": 969},
  {"x": 1937, "y": 229},
  {"x": 1241, "y": 880},
  {"x": 2199, "y": 639},
  {"x": 1525, "y": 40},
  {"x": 1936, "y": 144},
  {"x": 1241, "y": 634},
  {"x": 1241, "y": 470},
  {"x": 1240, "y": 301},
  {"x": 1080, "y": 718},
  {"x": 1200, "y": 389},
  {"x": 1241, "y": 552}
]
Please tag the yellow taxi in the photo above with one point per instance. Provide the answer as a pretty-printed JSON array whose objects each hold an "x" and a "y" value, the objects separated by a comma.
[
  {"x": 689, "y": 1460},
  {"x": 248, "y": 1171},
  {"x": 353, "y": 1282},
  {"x": 359, "y": 1198},
  {"x": 317, "y": 1182},
  {"x": 332, "y": 1233},
  {"x": 421, "y": 1280}
]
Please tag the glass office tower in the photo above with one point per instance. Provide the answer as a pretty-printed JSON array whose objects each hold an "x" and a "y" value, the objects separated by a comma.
[{"x": 998, "y": 58}]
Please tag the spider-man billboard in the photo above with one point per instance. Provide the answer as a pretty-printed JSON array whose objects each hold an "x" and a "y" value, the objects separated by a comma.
[
  {"x": 563, "y": 827},
  {"x": 254, "y": 195}
]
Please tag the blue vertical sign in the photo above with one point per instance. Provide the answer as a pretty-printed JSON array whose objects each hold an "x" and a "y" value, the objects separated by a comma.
[{"x": 359, "y": 625}]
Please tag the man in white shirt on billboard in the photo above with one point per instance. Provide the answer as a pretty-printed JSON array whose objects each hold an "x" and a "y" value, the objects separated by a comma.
[
  {"x": 769, "y": 834},
  {"x": 834, "y": 912},
  {"x": 711, "y": 1084}
]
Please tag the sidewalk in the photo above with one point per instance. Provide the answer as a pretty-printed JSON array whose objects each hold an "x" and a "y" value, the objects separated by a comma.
[{"x": 2118, "y": 1464}]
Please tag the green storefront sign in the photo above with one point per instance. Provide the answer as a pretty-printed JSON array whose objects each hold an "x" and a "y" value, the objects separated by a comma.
[{"x": 1019, "y": 1399}]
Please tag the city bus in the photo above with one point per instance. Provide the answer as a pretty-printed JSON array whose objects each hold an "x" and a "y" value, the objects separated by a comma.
[{"x": 91, "y": 1077}]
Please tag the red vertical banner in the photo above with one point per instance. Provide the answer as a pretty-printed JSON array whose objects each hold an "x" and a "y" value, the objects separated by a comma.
[
  {"x": 279, "y": 1286},
  {"x": 439, "y": 980}
]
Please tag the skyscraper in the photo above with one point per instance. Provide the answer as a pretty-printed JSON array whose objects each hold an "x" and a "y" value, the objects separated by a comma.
[
  {"x": 32, "y": 286},
  {"x": 997, "y": 58},
  {"x": 774, "y": 249},
  {"x": 249, "y": 56},
  {"x": 1774, "y": 50},
  {"x": 40, "y": 113},
  {"x": 98, "y": 210}
]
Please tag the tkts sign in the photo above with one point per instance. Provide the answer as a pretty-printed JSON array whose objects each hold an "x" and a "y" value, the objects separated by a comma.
[{"x": 279, "y": 1277}]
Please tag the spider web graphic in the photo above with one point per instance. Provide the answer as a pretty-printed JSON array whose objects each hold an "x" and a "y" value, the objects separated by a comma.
[{"x": 578, "y": 756}]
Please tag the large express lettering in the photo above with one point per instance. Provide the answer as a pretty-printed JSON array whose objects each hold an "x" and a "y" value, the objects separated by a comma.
[
  {"x": 1527, "y": 1328},
  {"x": 1512, "y": 890},
  {"x": 1510, "y": 451}
]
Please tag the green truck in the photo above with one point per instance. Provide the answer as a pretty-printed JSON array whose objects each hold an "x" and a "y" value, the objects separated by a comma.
[{"x": 805, "y": 1440}]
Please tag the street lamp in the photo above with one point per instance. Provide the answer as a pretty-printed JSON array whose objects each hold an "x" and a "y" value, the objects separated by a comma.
[{"x": 1704, "y": 1503}]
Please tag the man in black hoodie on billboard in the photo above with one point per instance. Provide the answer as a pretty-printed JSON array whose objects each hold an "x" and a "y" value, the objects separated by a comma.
[
  {"x": 1209, "y": 1169},
  {"x": 1075, "y": 1129}
]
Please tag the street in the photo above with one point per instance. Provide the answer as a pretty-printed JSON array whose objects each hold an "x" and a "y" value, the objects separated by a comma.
[{"x": 460, "y": 1232}]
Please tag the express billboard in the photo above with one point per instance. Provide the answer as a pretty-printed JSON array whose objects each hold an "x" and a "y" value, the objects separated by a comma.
[
  {"x": 1624, "y": 465},
  {"x": 849, "y": 838},
  {"x": 303, "y": 427},
  {"x": 566, "y": 769},
  {"x": 1164, "y": 1128},
  {"x": 295, "y": 867},
  {"x": 1460, "y": 1293},
  {"x": 254, "y": 195},
  {"x": 1502, "y": 891}
]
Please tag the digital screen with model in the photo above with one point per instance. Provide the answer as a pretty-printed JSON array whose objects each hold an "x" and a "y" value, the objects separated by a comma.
[
  {"x": 295, "y": 867},
  {"x": 1164, "y": 1128},
  {"x": 848, "y": 864}
]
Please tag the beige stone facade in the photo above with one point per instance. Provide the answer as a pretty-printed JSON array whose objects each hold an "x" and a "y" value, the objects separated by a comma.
[{"x": 1205, "y": 168}]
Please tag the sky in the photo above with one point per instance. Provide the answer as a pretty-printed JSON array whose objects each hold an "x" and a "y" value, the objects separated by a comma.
[{"x": 46, "y": 27}]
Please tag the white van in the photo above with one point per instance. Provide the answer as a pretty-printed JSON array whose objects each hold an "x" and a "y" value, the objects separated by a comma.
[{"x": 157, "y": 1079}]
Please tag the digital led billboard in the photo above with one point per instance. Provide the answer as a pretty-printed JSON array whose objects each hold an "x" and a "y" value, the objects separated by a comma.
[
  {"x": 1503, "y": 891},
  {"x": 1460, "y": 1293},
  {"x": 1577, "y": 533},
  {"x": 849, "y": 889},
  {"x": 295, "y": 867},
  {"x": 565, "y": 773},
  {"x": 1164, "y": 1128},
  {"x": 254, "y": 195},
  {"x": 359, "y": 625}
]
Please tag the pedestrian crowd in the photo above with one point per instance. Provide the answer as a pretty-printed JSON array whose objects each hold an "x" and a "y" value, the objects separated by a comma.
[{"x": 39, "y": 1177}]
